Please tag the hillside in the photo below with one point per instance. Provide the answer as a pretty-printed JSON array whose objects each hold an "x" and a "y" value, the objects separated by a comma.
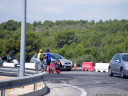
[{"x": 71, "y": 39}]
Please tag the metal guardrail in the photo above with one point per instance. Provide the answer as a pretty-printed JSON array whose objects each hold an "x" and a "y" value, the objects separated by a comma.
[
  {"x": 19, "y": 82},
  {"x": 16, "y": 70},
  {"x": 6, "y": 70},
  {"x": 40, "y": 92},
  {"x": 22, "y": 81}
]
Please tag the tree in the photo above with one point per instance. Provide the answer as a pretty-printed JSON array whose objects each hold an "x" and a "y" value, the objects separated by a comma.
[
  {"x": 11, "y": 25},
  {"x": 48, "y": 23},
  {"x": 35, "y": 23},
  {"x": 85, "y": 58},
  {"x": 71, "y": 39},
  {"x": 65, "y": 37}
]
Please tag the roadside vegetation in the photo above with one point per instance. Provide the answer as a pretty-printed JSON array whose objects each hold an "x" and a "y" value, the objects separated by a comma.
[{"x": 76, "y": 40}]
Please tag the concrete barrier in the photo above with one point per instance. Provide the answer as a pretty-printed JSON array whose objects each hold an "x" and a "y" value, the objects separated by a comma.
[
  {"x": 30, "y": 65},
  {"x": 27, "y": 65},
  {"x": 101, "y": 67},
  {"x": 6, "y": 64}
]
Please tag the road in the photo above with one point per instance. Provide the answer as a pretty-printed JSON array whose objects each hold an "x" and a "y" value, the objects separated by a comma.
[{"x": 94, "y": 83}]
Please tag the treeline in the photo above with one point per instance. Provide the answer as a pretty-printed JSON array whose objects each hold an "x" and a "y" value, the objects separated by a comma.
[{"x": 72, "y": 39}]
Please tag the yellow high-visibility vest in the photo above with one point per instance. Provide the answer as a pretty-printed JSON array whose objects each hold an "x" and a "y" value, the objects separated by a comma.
[{"x": 39, "y": 56}]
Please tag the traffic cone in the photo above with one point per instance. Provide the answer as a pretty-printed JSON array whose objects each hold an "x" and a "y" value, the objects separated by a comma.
[{"x": 75, "y": 65}]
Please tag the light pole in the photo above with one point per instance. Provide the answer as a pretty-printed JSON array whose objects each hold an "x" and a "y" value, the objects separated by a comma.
[{"x": 23, "y": 39}]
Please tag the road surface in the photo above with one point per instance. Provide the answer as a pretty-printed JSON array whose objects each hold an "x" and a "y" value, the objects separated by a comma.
[
  {"x": 87, "y": 83},
  {"x": 81, "y": 83}
]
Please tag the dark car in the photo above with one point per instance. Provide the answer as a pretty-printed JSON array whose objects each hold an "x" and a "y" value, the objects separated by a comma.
[{"x": 119, "y": 65}]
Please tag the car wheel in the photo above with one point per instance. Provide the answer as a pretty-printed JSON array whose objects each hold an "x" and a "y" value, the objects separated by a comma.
[
  {"x": 110, "y": 72},
  {"x": 122, "y": 74}
]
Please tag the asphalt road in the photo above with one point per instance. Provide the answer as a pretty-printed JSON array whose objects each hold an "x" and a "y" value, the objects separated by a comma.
[{"x": 94, "y": 83}]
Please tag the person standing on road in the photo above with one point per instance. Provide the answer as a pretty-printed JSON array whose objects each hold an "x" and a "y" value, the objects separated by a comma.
[
  {"x": 39, "y": 59},
  {"x": 9, "y": 57},
  {"x": 48, "y": 60}
]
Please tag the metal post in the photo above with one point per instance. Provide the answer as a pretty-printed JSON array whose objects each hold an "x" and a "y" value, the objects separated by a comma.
[
  {"x": 23, "y": 40},
  {"x": 35, "y": 86},
  {"x": 2, "y": 92}
]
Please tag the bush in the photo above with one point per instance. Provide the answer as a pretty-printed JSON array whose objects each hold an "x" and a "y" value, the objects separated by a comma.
[{"x": 85, "y": 58}]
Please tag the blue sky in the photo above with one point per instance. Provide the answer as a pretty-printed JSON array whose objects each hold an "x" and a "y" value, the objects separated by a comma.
[{"x": 41, "y": 10}]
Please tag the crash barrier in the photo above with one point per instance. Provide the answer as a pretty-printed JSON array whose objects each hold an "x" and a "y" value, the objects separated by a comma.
[
  {"x": 27, "y": 65},
  {"x": 15, "y": 70},
  {"x": 40, "y": 92},
  {"x": 23, "y": 81},
  {"x": 87, "y": 66},
  {"x": 9, "y": 69},
  {"x": 30, "y": 67},
  {"x": 101, "y": 67}
]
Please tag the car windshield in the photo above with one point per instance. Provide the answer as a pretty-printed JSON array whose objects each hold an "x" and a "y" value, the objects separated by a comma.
[
  {"x": 125, "y": 57},
  {"x": 56, "y": 56}
]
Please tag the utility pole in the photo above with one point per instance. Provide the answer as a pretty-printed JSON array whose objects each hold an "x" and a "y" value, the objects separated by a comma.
[{"x": 23, "y": 39}]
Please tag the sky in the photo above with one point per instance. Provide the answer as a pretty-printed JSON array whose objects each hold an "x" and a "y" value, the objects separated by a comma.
[{"x": 41, "y": 10}]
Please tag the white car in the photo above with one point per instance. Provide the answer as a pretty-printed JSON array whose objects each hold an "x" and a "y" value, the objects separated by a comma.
[{"x": 66, "y": 64}]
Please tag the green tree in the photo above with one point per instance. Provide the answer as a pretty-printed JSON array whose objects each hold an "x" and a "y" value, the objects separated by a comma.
[
  {"x": 85, "y": 58},
  {"x": 65, "y": 37}
]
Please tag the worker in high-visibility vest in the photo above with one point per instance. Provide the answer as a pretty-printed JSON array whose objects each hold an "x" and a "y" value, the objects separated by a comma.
[{"x": 39, "y": 59}]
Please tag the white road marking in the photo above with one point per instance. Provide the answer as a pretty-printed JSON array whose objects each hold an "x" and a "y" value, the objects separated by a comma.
[{"x": 84, "y": 93}]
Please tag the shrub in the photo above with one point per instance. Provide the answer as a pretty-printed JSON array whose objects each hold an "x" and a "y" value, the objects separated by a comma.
[{"x": 85, "y": 58}]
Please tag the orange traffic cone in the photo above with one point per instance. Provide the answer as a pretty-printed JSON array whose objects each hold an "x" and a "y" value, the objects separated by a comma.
[{"x": 75, "y": 65}]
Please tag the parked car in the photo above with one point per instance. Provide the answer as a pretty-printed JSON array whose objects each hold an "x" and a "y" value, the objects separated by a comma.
[
  {"x": 66, "y": 64},
  {"x": 119, "y": 65}
]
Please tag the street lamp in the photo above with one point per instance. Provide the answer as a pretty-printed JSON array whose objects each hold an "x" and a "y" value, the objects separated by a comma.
[{"x": 23, "y": 39}]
